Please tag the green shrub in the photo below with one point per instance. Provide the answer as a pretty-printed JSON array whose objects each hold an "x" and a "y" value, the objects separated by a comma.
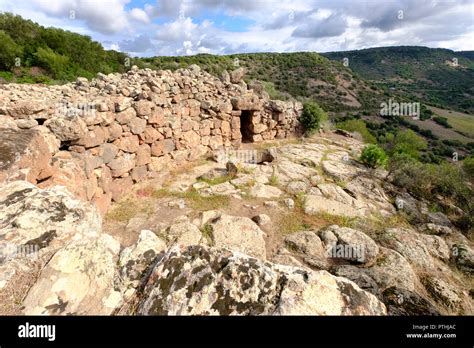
[
  {"x": 373, "y": 156},
  {"x": 406, "y": 142},
  {"x": 312, "y": 117},
  {"x": 358, "y": 126},
  {"x": 468, "y": 166},
  {"x": 443, "y": 121},
  {"x": 427, "y": 180},
  {"x": 8, "y": 51},
  {"x": 55, "y": 63}
]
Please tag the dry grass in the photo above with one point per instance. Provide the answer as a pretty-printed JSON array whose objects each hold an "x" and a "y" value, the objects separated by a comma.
[
  {"x": 129, "y": 207},
  {"x": 245, "y": 170},
  {"x": 195, "y": 200},
  {"x": 273, "y": 181},
  {"x": 375, "y": 225},
  {"x": 206, "y": 231},
  {"x": 13, "y": 294},
  {"x": 298, "y": 220},
  {"x": 216, "y": 181}
]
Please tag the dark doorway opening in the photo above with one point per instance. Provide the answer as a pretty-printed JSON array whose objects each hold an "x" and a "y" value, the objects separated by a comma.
[{"x": 245, "y": 126}]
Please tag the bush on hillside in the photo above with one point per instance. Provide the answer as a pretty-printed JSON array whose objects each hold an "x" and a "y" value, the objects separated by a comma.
[
  {"x": 468, "y": 166},
  {"x": 312, "y": 117},
  {"x": 358, "y": 126},
  {"x": 443, "y": 121},
  {"x": 405, "y": 142},
  {"x": 427, "y": 180},
  {"x": 373, "y": 156}
]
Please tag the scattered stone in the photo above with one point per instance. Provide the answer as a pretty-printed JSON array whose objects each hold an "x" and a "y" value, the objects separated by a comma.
[
  {"x": 262, "y": 219},
  {"x": 289, "y": 203},
  {"x": 177, "y": 203},
  {"x": 271, "y": 204},
  {"x": 265, "y": 191}
]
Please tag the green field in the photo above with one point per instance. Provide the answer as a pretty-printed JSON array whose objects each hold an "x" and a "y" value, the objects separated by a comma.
[{"x": 462, "y": 123}]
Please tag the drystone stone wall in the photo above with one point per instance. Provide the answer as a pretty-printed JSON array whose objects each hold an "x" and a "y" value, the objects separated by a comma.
[{"x": 98, "y": 137}]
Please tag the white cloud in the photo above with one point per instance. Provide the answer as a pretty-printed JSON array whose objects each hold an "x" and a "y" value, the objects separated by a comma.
[
  {"x": 106, "y": 17},
  {"x": 139, "y": 15},
  {"x": 171, "y": 27}
]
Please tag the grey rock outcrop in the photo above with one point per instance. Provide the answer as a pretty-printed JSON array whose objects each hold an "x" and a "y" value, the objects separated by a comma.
[{"x": 202, "y": 281}]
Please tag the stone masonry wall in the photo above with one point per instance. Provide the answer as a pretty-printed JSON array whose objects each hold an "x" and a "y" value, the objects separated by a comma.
[{"x": 99, "y": 137}]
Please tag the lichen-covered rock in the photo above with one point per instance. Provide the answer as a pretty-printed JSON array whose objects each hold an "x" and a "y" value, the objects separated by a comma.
[
  {"x": 442, "y": 292},
  {"x": 134, "y": 261},
  {"x": 464, "y": 257},
  {"x": 30, "y": 215},
  {"x": 202, "y": 281},
  {"x": 79, "y": 279},
  {"x": 39, "y": 221},
  {"x": 390, "y": 269},
  {"x": 352, "y": 245},
  {"x": 417, "y": 248},
  {"x": 405, "y": 302}
]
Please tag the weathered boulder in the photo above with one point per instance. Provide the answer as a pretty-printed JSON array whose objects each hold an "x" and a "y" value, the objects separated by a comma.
[
  {"x": 464, "y": 257},
  {"x": 405, "y": 302},
  {"x": 79, "y": 279},
  {"x": 352, "y": 245},
  {"x": 24, "y": 155},
  {"x": 390, "y": 269},
  {"x": 34, "y": 224},
  {"x": 417, "y": 248},
  {"x": 442, "y": 292},
  {"x": 135, "y": 259},
  {"x": 49, "y": 217},
  {"x": 238, "y": 233},
  {"x": 184, "y": 233},
  {"x": 67, "y": 129},
  {"x": 265, "y": 191},
  {"x": 314, "y": 204},
  {"x": 306, "y": 242},
  {"x": 202, "y": 281}
]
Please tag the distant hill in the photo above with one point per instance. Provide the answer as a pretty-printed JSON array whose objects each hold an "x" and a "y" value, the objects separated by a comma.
[
  {"x": 435, "y": 76},
  {"x": 32, "y": 53}
]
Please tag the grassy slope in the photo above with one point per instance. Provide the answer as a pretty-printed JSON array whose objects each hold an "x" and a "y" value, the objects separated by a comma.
[{"x": 461, "y": 122}]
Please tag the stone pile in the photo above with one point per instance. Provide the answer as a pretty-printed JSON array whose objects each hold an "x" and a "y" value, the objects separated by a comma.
[{"x": 98, "y": 137}]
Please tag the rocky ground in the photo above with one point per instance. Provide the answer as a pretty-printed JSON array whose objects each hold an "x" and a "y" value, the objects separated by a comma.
[{"x": 305, "y": 230}]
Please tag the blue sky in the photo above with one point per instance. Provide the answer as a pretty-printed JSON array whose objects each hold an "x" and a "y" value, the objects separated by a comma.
[{"x": 184, "y": 27}]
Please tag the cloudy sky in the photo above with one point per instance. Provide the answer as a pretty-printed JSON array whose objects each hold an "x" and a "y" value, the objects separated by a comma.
[{"x": 185, "y": 27}]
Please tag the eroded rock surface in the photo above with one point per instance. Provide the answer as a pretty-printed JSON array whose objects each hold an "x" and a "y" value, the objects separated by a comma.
[{"x": 202, "y": 281}]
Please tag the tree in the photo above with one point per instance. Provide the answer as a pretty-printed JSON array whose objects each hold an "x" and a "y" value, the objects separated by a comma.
[
  {"x": 8, "y": 51},
  {"x": 407, "y": 142},
  {"x": 53, "y": 62},
  {"x": 311, "y": 118}
]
